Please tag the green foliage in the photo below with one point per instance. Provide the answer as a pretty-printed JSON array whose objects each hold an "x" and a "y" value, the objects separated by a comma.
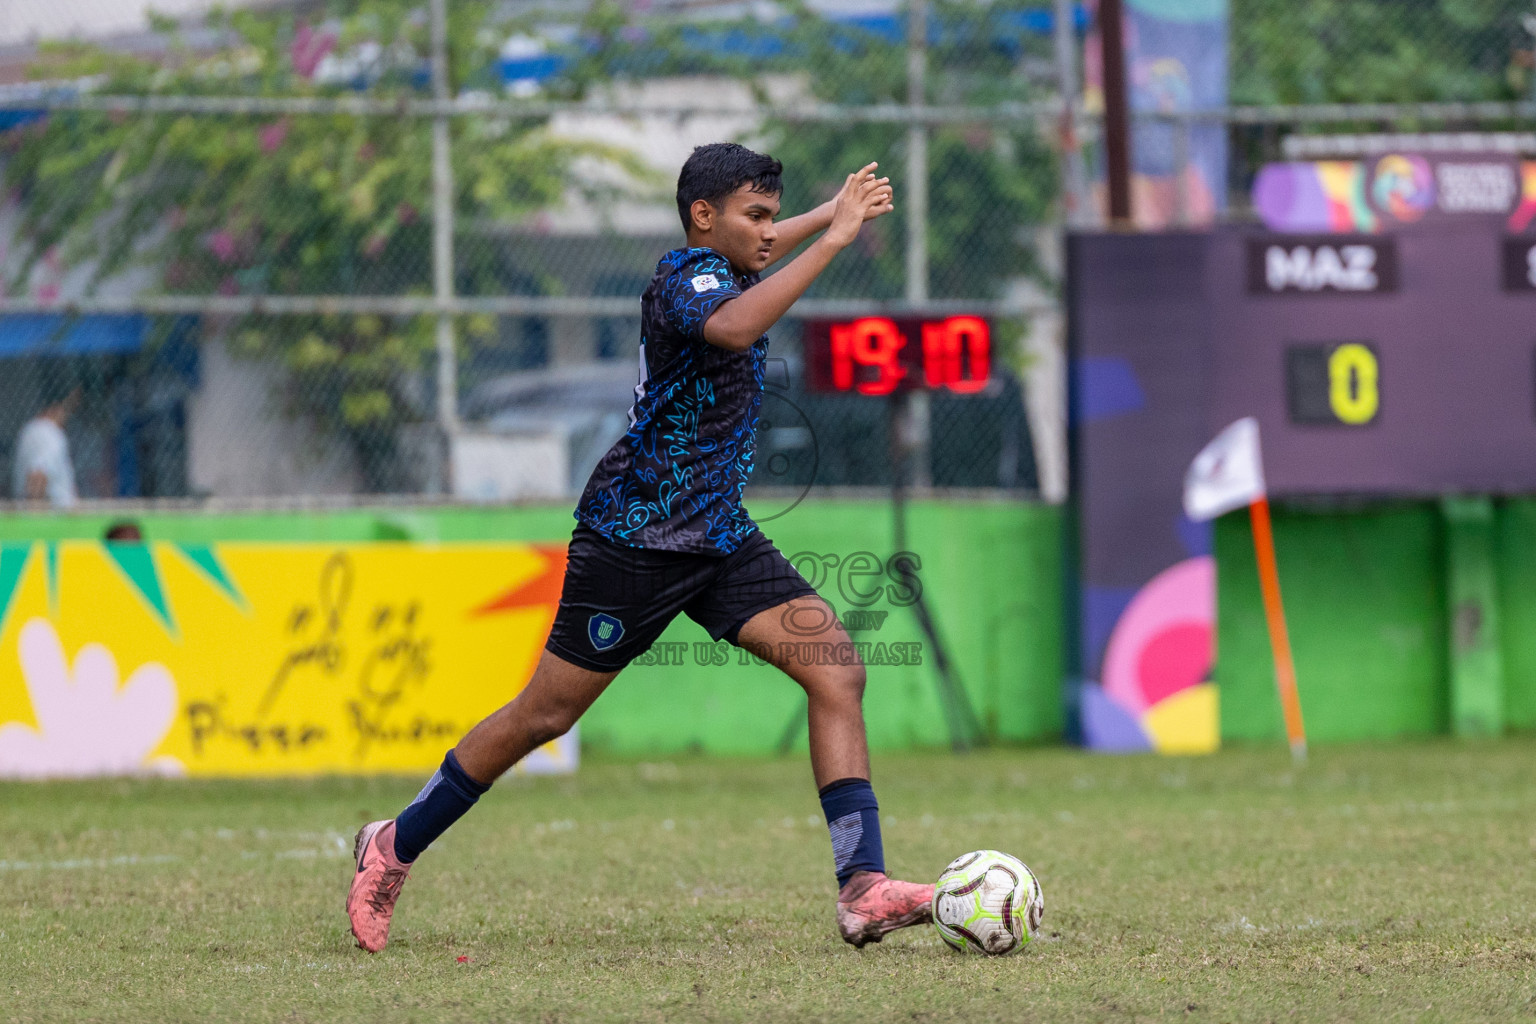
[
  {"x": 290, "y": 205},
  {"x": 1328, "y": 51},
  {"x": 986, "y": 185}
]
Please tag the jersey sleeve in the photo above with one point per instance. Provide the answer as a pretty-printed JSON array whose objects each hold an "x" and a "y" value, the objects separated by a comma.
[{"x": 695, "y": 290}]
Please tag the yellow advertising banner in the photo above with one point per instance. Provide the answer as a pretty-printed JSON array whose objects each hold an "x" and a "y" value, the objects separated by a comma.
[{"x": 264, "y": 659}]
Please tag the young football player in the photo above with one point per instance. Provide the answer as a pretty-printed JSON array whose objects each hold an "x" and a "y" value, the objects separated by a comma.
[{"x": 662, "y": 530}]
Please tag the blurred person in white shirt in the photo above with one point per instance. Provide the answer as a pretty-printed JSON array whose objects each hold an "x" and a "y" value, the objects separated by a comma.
[{"x": 41, "y": 469}]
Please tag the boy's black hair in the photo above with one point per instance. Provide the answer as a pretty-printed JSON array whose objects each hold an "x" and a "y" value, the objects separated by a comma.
[
  {"x": 720, "y": 168},
  {"x": 124, "y": 530}
]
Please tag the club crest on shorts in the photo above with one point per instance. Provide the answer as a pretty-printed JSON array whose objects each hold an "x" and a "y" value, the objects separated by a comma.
[{"x": 604, "y": 630}]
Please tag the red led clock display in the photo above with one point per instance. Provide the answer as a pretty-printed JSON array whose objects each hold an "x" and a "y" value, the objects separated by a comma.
[{"x": 876, "y": 355}]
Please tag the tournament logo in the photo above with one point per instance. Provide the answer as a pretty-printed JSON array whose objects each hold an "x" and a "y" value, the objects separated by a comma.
[
  {"x": 604, "y": 630},
  {"x": 1404, "y": 186}
]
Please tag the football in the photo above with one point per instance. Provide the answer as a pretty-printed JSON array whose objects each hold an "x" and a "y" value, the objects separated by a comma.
[{"x": 987, "y": 902}]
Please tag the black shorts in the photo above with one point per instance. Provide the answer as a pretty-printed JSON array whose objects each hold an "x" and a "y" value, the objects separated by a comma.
[{"x": 616, "y": 600}]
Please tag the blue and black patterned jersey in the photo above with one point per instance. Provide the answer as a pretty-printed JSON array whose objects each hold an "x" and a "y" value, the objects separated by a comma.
[{"x": 674, "y": 482}]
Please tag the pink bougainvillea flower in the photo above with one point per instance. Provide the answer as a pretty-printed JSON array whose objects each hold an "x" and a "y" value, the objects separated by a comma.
[
  {"x": 222, "y": 244},
  {"x": 309, "y": 48},
  {"x": 272, "y": 136}
]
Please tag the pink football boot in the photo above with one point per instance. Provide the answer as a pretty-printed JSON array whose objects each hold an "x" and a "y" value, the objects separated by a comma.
[
  {"x": 871, "y": 905},
  {"x": 376, "y": 885}
]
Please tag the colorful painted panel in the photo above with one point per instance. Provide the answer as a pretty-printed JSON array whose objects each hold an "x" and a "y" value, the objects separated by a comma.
[
  {"x": 1140, "y": 391},
  {"x": 1395, "y": 190},
  {"x": 264, "y": 659}
]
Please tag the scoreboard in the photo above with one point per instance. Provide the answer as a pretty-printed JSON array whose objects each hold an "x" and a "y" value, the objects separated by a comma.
[
  {"x": 1388, "y": 364},
  {"x": 878, "y": 355},
  {"x": 1384, "y": 365}
]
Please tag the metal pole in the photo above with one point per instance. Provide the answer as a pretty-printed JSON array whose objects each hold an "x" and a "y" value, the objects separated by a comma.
[
  {"x": 442, "y": 249},
  {"x": 1117, "y": 132},
  {"x": 1043, "y": 376},
  {"x": 1181, "y": 129},
  {"x": 917, "y": 408},
  {"x": 917, "y": 154},
  {"x": 481, "y": 305},
  {"x": 1073, "y": 188},
  {"x": 1012, "y": 115}
]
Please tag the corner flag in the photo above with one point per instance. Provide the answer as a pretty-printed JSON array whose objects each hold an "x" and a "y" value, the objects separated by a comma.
[{"x": 1226, "y": 475}]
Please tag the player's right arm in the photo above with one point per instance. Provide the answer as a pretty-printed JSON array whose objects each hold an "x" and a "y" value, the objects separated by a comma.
[{"x": 739, "y": 322}]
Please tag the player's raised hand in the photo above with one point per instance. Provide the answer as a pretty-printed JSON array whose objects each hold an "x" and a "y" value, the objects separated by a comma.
[
  {"x": 863, "y": 197},
  {"x": 883, "y": 199}
]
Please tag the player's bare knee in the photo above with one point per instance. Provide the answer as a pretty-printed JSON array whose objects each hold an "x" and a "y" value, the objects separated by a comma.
[
  {"x": 843, "y": 684},
  {"x": 854, "y": 678},
  {"x": 550, "y": 725},
  {"x": 550, "y": 718}
]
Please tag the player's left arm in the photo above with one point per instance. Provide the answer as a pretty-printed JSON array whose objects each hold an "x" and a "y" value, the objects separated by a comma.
[{"x": 794, "y": 231}]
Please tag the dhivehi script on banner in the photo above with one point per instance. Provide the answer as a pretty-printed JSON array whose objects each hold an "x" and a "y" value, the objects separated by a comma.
[{"x": 264, "y": 659}]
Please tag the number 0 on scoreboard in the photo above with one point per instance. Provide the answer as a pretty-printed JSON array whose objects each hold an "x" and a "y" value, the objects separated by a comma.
[{"x": 1333, "y": 383}]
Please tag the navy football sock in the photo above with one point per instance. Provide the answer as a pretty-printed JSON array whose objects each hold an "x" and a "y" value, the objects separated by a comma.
[
  {"x": 442, "y": 801},
  {"x": 853, "y": 818}
]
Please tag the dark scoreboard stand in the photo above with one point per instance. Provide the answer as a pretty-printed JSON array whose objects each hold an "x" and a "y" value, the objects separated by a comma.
[
  {"x": 1396, "y": 365},
  {"x": 889, "y": 358}
]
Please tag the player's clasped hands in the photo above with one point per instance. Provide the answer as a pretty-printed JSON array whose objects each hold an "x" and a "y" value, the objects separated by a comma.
[{"x": 863, "y": 197}]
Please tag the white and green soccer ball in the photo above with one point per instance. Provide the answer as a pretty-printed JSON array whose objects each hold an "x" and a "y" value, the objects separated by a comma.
[{"x": 987, "y": 902}]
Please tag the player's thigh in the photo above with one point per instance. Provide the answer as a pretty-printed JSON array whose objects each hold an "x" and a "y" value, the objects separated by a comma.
[
  {"x": 804, "y": 639},
  {"x": 561, "y": 690}
]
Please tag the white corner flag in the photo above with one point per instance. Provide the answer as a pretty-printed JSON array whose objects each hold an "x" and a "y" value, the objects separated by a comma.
[{"x": 1227, "y": 474}]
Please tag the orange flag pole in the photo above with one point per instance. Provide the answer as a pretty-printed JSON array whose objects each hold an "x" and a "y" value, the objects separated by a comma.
[{"x": 1274, "y": 616}]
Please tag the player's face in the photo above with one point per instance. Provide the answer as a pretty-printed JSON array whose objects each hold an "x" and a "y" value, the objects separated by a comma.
[{"x": 744, "y": 231}]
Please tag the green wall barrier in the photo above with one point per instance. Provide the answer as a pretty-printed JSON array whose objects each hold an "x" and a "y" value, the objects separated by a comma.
[
  {"x": 991, "y": 572},
  {"x": 1515, "y": 573},
  {"x": 1408, "y": 618},
  {"x": 1391, "y": 606},
  {"x": 1364, "y": 592}
]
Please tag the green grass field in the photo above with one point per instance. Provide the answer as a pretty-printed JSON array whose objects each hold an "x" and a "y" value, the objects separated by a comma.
[{"x": 1376, "y": 884}]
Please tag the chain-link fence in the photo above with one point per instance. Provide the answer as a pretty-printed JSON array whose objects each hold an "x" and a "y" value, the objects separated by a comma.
[
  {"x": 358, "y": 248},
  {"x": 290, "y": 253},
  {"x": 1380, "y": 51},
  {"x": 1307, "y": 68}
]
